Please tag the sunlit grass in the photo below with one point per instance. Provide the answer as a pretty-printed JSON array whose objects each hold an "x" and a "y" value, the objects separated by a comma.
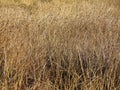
[
  {"x": 52, "y": 45},
  {"x": 31, "y": 2}
]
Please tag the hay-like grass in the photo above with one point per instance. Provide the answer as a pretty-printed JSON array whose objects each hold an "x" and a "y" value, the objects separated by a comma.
[{"x": 60, "y": 46}]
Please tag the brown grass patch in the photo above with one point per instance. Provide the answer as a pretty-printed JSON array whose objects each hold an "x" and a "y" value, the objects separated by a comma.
[{"x": 60, "y": 47}]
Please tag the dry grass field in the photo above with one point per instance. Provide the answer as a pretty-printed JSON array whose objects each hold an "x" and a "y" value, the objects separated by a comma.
[{"x": 59, "y": 45}]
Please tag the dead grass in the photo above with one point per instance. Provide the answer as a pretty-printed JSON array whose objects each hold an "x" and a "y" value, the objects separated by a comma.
[{"x": 60, "y": 46}]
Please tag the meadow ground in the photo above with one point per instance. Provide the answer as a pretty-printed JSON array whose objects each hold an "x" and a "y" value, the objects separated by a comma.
[{"x": 60, "y": 45}]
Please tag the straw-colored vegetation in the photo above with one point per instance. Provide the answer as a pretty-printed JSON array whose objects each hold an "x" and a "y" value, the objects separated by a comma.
[{"x": 56, "y": 45}]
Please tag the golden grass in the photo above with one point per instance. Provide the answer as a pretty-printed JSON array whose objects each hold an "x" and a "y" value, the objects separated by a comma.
[
  {"x": 60, "y": 46},
  {"x": 31, "y": 2},
  {"x": 17, "y": 2}
]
